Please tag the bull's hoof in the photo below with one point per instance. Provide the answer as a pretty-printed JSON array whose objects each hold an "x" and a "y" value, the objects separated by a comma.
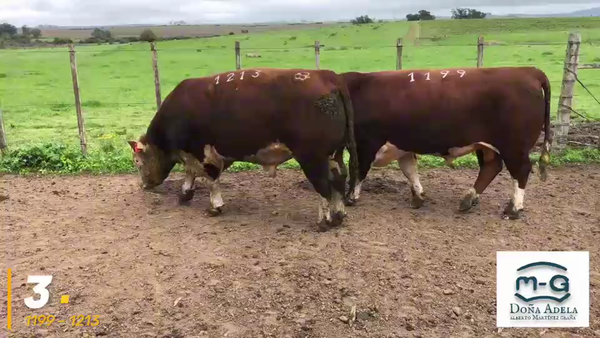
[
  {"x": 212, "y": 212},
  {"x": 417, "y": 202},
  {"x": 467, "y": 203},
  {"x": 185, "y": 197},
  {"x": 349, "y": 201},
  {"x": 337, "y": 218},
  {"x": 511, "y": 212},
  {"x": 323, "y": 225}
]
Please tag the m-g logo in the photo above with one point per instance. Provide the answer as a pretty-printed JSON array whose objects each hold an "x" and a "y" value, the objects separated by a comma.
[
  {"x": 542, "y": 289},
  {"x": 561, "y": 280}
]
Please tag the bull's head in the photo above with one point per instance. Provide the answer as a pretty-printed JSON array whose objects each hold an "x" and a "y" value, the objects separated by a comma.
[{"x": 152, "y": 163}]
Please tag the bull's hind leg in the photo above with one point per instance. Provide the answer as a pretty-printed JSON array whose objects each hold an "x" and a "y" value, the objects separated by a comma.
[
  {"x": 519, "y": 168},
  {"x": 490, "y": 165},
  {"x": 367, "y": 151},
  {"x": 338, "y": 157},
  {"x": 408, "y": 164},
  {"x": 317, "y": 171},
  {"x": 337, "y": 177}
]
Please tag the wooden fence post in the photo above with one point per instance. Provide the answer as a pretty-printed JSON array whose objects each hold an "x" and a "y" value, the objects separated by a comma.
[
  {"x": 480, "y": 52},
  {"x": 565, "y": 102},
  {"x": 80, "y": 120},
  {"x": 3, "y": 144},
  {"x": 238, "y": 58},
  {"x": 399, "y": 54},
  {"x": 318, "y": 53},
  {"x": 156, "y": 74}
]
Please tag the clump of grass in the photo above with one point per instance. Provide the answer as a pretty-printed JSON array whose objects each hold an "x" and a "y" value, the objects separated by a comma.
[
  {"x": 92, "y": 104},
  {"x": 60, "y": 107}
]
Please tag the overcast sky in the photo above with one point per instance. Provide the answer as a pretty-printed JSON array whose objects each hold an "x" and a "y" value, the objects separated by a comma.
[{"x": 111, "y": 12}]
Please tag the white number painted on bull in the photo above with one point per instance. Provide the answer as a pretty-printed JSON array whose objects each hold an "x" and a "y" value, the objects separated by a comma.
[
  {"x": 443, "y": 72},
  {"x": 302, "y": 76},
  {"x": 231, "y": 76}
]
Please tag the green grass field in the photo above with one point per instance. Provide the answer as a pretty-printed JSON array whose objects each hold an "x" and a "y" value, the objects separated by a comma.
[{"x": 117, "y": 88}]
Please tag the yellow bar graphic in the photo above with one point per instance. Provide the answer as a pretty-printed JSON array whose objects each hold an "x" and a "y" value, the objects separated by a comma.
[{"x": 9, "y": 301}]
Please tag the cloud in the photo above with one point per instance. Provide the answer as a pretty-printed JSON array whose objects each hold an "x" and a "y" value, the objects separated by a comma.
[{"x": 111, "y": 12}]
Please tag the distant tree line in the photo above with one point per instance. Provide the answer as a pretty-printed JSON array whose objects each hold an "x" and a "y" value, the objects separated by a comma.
[
  {"x": 457, "y": 13},
  {"x": 421, "y": 15},
  {"x": 9, "y": 35},
  {"x": 363, "y": 19},
  {"x": 467, "y": 13}
]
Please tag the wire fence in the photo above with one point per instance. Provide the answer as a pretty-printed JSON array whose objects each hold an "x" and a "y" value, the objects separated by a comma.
[{"x": 120, "y": 86}]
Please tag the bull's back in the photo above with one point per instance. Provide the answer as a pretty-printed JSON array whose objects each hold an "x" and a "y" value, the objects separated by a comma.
[
  {"x": 245, "y": 110},
  {"x": 423, "y": 104}
]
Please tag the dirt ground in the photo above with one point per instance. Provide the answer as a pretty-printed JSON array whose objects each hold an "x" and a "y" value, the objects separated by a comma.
[{"x": 151, "y": 268}]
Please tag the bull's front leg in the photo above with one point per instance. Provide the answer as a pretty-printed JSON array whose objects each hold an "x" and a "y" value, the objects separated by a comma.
[
  {"x": 216, "y": 200},
  {"x": 189, "y": 184},
  {"x": 408, "y": 164}
]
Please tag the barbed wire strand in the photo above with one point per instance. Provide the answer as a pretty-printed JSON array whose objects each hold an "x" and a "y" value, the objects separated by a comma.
[
  {"x": 581, "y": 83},
  {"x": 242, "y": 47}
]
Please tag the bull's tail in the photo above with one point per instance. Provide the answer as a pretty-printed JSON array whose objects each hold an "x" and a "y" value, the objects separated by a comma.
[
  {"x": 545, "y": 156},
  {"x": 347, "y": 102}
]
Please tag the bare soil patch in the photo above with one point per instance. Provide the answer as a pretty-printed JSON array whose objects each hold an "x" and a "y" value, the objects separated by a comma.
[{"x": 151, "y": 268}]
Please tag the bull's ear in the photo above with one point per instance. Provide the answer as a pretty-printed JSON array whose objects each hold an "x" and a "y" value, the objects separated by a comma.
[{"x": 136, "y": 146}]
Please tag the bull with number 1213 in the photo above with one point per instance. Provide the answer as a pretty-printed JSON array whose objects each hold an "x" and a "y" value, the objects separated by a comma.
[{"x": 264, "y": 116}]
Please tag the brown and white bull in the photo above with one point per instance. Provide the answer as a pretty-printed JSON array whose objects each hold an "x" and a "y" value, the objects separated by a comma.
[
  {"x": 498, "y": 113},
  {"x": 263, "y": 116}
]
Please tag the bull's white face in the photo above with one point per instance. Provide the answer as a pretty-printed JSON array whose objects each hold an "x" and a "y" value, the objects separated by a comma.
[{"x": 151, "y": 166}]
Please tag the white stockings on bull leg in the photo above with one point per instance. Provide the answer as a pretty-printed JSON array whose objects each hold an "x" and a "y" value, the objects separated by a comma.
[
  {"x": 216, "y": 201},
  {"x": 408, "y": 165},
  {"x": 324, "y": 214},
  {"x": 320, "y": 174},
  {"x": 210, "y": 171},
  {"x": 519, "y": 168},
  {"x": 187, "y": 189},
  {"x": 337, "y": 179},
  {"x": 514, "y": 209}
]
